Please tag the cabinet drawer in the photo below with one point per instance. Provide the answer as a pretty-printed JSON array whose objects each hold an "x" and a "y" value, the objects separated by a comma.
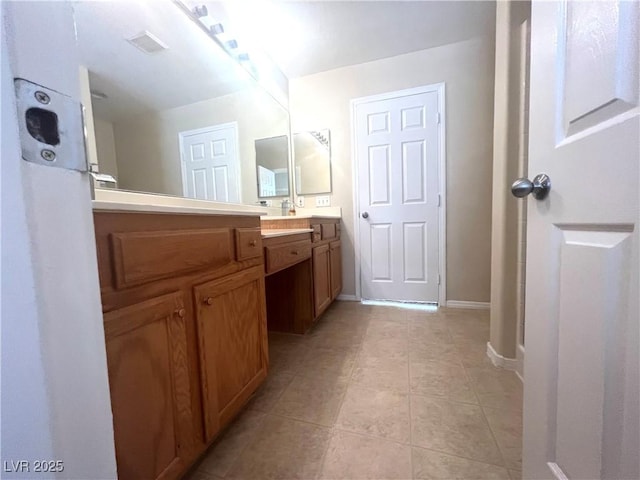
[
  {"x": 248, "y": 243},
  {"x": 317, "y": 233},
  {"x": 282, "y": 256},
  {"x": 141, "y": 257},
  {"x": 328, "y": 231}
]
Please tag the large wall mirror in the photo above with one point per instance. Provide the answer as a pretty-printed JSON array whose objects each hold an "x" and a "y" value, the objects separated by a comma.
[
  {"x": 173, "y": 113},
  {"x": 312, "y": 162}
]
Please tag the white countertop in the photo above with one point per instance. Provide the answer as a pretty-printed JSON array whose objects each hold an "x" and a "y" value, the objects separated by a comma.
[
  {"x": 281, "y": 232},
  {"x": 117, "y": 200}
]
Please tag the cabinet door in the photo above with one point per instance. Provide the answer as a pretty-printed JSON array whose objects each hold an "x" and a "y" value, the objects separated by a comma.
[
  {"x": 335, "y": 255},
  {"x": 321, "y": 279},
  {"x": 232, "y": 335},
  {"x": 149, "y": 383}
]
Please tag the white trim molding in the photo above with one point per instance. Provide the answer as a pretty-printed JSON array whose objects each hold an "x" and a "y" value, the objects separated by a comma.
[
  {"x": 440, "y": 88},
  {"x": 520, "y": 359},
  {"x": 347, "y": 298},
  {"x": 468, "y": 305},
  {"x": 500, "y": 361}
]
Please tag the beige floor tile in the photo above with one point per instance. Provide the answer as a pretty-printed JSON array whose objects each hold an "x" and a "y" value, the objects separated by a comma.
[
  {"x": 221, "y": 455},
  {"x": 507, "y": 428},
  {"x": 381, "y": 373},
  {"x": 332, "y": 363},
  {"x": 386, "y": 329},
  {"x": 392, "y": 349},
  {"x": 474, "y": 355},
  {"x": 455, "y": 428},
  {"x": 312, "y": 399},
  {"x": 269, "y": 392},
  {"x": 283, "y": 449},
  {"x": 441, "y": 380},
  {"x": 496, "y": 387},
  {"x": 337, "y": 337},
  {"x": 287, "y": 358},
  {"x": 429, "y": 331},
  {"x": 388, "y": 314},
  {"x": 428, "y": 464},
  {"x": 381, "y": 413},
  {"x": 434, "y": 352},
  {"x": 352, "y": 457},
  {"x": 515, "y": 474}
]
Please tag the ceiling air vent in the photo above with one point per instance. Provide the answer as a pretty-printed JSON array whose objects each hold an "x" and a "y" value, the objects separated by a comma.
[{"x": 147, "y": 42}]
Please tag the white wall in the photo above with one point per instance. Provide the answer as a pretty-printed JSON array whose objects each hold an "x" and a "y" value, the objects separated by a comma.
[
  {"x": 323, "y": 101},
  {"x": 147, "y": 150},
  {"x": 55, "y": 392},
  {"x": 106, "y": 147}
]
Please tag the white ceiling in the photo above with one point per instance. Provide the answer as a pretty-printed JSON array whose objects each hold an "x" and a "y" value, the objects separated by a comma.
[
  {"x": 302, "y": 37},
  {"x": 306, "y": 37}
]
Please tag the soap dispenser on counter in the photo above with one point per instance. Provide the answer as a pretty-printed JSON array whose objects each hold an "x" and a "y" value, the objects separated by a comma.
[{"x": 285, "y": 207}]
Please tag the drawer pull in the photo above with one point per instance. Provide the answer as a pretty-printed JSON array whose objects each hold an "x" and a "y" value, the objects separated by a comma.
[
  {"x": 208, "y": 301},
  {"x": 294, "y": 252},
  {"x": 181, "y": 312},
  {"x": 253, "y": 243}
]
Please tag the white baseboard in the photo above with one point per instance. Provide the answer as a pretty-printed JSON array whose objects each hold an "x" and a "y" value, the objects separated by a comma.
[
  {"x": 469, "y": 305},
  {"x": 348, "y": 298},
  {"x": 520, "y": 360},
  {"x": 500, "y": 361}
]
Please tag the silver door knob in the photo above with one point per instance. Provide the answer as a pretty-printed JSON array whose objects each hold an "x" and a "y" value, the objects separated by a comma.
[
  {"x": 540, "y": 187},
  {"x": 365, "y": 214}
]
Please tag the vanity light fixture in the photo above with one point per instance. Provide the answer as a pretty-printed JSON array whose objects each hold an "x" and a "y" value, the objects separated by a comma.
[
  {"x": 231, "y": 44},
  {"x": 200, "y": 11},
  {"x": 243, "y": 57},
  {"x": 216, "y": 29}
]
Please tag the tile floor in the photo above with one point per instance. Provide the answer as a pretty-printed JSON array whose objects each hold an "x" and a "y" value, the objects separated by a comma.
[{"x": 377, "y": 393}]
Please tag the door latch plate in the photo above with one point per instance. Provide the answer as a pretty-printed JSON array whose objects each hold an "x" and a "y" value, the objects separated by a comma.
[{"x": 51, "y": 127}]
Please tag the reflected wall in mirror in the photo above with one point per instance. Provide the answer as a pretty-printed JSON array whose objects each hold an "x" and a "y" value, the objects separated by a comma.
[
  {"x": 312, "y": 162},
  {"x": 173, "y": 113},
  {"x": 272, "y": 163}
]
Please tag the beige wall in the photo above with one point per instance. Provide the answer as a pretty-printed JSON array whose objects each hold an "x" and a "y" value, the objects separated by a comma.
[
  {"x": 106, "y": 147},
  {"x": 147, "y": 146},
  {"x": 323, "y": 101},
  {"x": 508, "y": 164}
]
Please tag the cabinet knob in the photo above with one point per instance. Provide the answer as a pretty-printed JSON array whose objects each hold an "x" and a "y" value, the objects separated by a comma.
[
  {"x": 294, "y": 252},
  {"x": 253, "y": 243},
  {"x": 181, "y": 312},
  {"x": 208, "y": 301}
]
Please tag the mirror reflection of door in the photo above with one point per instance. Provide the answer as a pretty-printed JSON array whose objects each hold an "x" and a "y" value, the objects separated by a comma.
[{"x": 210, "y": 166}]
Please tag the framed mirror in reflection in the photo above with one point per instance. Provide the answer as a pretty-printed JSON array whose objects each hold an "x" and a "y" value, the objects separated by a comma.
[
  {"x": 172, "y": 112},
  {"x": 312, "y": 162},
  {"x": 272, "y": 163}
]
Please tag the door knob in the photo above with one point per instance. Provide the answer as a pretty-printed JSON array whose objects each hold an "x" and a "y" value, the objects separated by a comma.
[
  {"x": 365, "y": 214},
  {"x": 540, "y": 187}
]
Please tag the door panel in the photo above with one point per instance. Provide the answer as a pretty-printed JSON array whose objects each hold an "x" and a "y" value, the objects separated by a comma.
[
  {"x": 210, "y": 165},
  {"x": 149, "y": 383},
  {"x": 321, "y": 279},
  {"x": 398, "y": 155},
  {"x": 581, "y": 416}
]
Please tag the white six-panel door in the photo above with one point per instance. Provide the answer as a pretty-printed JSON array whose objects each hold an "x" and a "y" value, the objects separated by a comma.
[
  {"x": 397, "y": 157},
  {"x": 581, "y": 375},
  {"x": 210, "y": 166}
]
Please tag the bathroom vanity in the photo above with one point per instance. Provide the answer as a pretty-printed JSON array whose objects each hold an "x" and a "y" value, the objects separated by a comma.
[
  {"x": 303, "y": 264},
  {"x": 183, "y": 297}
]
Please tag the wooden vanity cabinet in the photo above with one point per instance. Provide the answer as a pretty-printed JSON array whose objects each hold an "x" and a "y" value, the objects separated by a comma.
[
  {"x": 183, "y": 299},
  {"x": 232, "y": 323},
  {"x": 321, "y": 279},
  {"x": 335, "y": 264},
  {"x": 146, "y": 347}
]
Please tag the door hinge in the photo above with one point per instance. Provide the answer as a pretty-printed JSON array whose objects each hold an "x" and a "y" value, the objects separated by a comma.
[
  {"x": 439, "y": 279},
  {"x": 439, "y": 118},
  {"x": 439, "y": 200}
]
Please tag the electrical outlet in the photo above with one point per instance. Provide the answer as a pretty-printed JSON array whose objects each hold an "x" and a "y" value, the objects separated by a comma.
[
  {"x": 323, "y": 201},
  {"x": 300, "y": 202}
]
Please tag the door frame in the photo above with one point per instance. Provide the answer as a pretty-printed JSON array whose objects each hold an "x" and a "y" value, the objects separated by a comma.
[
  {"x": 212, "y": 128},
  {"x": 440, "y": 89}
]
